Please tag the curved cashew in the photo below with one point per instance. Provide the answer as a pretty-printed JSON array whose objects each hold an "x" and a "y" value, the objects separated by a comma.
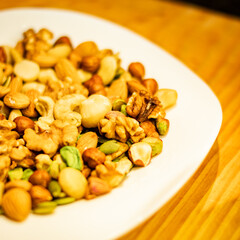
[
  {"x": 64, "y": 108},
  {"x": 44, "y": 106}
]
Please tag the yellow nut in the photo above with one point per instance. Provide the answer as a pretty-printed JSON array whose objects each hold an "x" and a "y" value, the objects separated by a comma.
[
  {"x": 39, "y": 194},
  {"x": 87, "y": 140},
  {"x": 137, "y": 70},
  {"x": 17, "y": 204},
  {"x": 140, "y": 154},
  {"x": 72, "y": 182},
  {"x": 16, "y": 100},
  {"x": 90, "y": 63}
]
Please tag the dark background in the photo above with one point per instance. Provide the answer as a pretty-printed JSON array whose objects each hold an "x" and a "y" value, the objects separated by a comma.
[{"x": 225, "y": 6}]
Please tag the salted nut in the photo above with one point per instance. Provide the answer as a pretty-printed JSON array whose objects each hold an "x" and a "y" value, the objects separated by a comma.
[
  {"x": 39, "y": 194},
  {"x": 140, "y": 154},
  {"x": 151, "y": 85},
  {"x": 137, "y": 70},
  {"x": 23, "y": 123},
  {"x": 40, "y": 177},
  {"x": 17, "y": 204},
  {"x": 63, "y": 39},
  {"x": 90, "y": 63},
  {"x": 93, "y": 157}
]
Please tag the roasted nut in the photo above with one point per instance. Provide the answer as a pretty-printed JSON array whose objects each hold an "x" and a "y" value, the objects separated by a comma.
[
  {"x": 149, "y": 129},
  {"x": 167, "y": 97},
  {"x": 39, "y": 194},
  {"x": 72, "y": 157},
  {"x": 90, "y": 63},
  {"x": 97, "y": 186},
  {"x": 155, "y": 143},
  {"x": 18, "y": 184},
  {"x": 1, "y": 192},
  {"x": 118, "y": 89},
  {"x": 16, "y": 100},
  {"x": 93, "y": 109},
  {"x": 135, "y": 86},
  {"x": 151, "y": 85},
  {"x": 93, "y": 157},
  {"x": 108, "y": 68},
  {"x": 14, "y": 113},
  {"x": 109, "y": 147},
  {"x": 40, "y": 177},
  {"x": 3, "y": 56},
  {"x": 63, "y": 39},
  {"x": 86, "y": 49},
  {"x": 95, "y": 85},
  {"x": 87, "y": 140},
  {"x": 140, "y": 154},
  {"x": 31, "y": 111},
  {"x": 60, "y": 51},
  {"x": 27, "y": 70},
  {"x": 23, "y": 123},
  {"x": 17, "y": 204},
  {"x": 137, "y": 70},
  {"x": 72, "y": 182},
  {"x": 162, "y": 125}
]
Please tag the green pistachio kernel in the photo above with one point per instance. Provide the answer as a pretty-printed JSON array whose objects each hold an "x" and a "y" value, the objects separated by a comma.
[
  {"x": 63, "y": 201},
  {"x": 109, "y": 147},
  {"x": 117, "y": 104},
  {"x": 123, "y": 109},
  {"x": 54, "y": 188},
  {"x": 155, "y": 143},
  {"x": 45, "y": 208},
  {"x": 72, "y": 157},
  {"x": 102, "y": 139},
  {"x": 15, "y": 174},
  {"x": 162, "y": 125},
  {"x": 27, "y": 173},
  {"x": 117, "y": 159}
]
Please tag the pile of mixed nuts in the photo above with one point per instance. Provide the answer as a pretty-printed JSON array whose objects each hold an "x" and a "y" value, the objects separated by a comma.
[{"x": 73, "y": 122}]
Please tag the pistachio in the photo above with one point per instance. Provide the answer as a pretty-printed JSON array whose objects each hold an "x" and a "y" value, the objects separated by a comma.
[
  {"x": 124, "y": 109},
  {"x": 63, "y": 201},
  {"x": 109, "y": 147},
  {"x": 55, "y": 189},
  {"x": 72, "y": 157},
  {"x": 45, "y": 207},
  {"x": 55, "y": 168},
  {"x": 72, "y": 182},
  {"x": 15, "y": 173},
  {"x": 140, "y": 154},
  {"x": 155, "y": 143},
  {"x": 116, "y": 106},
  {"x": 27, "y": 173},
  {"x": 16, "y": 204},
  {"x": 162, "y": 125},
  {"x": 97, "y": 186}
]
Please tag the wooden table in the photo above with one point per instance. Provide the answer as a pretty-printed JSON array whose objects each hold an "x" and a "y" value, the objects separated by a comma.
[{"x": 208, "y": 206}]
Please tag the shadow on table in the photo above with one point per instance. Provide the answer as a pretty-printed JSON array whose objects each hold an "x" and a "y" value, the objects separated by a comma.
[{"x": 184, "y": 201}]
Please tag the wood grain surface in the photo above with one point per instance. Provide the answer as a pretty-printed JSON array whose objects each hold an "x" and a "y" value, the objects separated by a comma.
[{"x": 208, "y": 206}]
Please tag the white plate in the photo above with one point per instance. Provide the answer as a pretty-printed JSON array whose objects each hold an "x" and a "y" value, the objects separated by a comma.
[{"x": 194, "y": 125}]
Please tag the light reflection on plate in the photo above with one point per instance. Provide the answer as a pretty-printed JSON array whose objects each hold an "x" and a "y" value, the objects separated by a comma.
[{"x": 194, "y": 125}]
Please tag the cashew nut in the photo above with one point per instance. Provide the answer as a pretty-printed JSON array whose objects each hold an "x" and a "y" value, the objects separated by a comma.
[
  {"x": 65, "y": 107},
  {"x": 44, "y": 106},
  {"x": 47, "y": 74}
]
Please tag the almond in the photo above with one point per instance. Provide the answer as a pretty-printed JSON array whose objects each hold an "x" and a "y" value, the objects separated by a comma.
[
  {"x": 17, "y": 204},
  {"x": 137, "y": 70},
  {"x": 118, "y": 89},
  {"x": 87, "y": 140},
  {"x": 64, "y": 68}
]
